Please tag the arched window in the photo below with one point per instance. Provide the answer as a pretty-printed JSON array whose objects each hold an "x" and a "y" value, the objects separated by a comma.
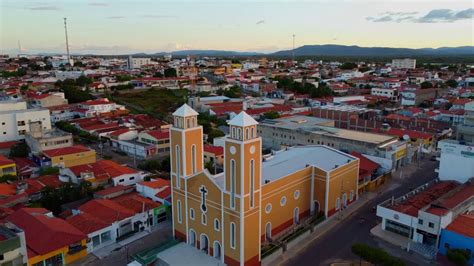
[
  {"x": 178, "y": 166},
  {"x": 252, "y": 182},
  {"x": 239, "y": 133},
  {"x": 233, "y": 133},
  {"x": 253, "y": 132},
  {"x": 232, "y": 235},
  {"x": 247, "y": 136},
  {"x": 233, "y": 183},
  {"x": 188, "y": 122},
  {"x": 193, "y": 158}
]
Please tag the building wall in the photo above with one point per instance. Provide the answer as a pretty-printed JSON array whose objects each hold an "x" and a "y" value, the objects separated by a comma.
[
  {"x": 343, "y": 180},
  {"x": 15, "y": 124},
  {"x": 456, "y": 161},
  {"x": 74, "y": 159},
  {"x": 64, "y": 251},
  {"x": 453, "y": 240},
  {"x": 8, "y": 169}
]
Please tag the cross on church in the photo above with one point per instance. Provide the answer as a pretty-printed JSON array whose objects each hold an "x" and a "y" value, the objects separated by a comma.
[{"x": 203, "y": 191}]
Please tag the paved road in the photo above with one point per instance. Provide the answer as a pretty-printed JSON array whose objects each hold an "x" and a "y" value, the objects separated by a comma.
[{"x": 336, "y": 244}]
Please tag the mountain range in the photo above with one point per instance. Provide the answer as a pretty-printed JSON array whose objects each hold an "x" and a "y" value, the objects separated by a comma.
[{"x": 333, "y": 50}]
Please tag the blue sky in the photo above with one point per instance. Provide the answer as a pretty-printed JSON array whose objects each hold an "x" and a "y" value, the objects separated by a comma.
[{"x": 117, "y": 26}]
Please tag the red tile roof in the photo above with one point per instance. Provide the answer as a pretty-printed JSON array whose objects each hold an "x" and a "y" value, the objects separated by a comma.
[
  {"x": 112, "y": 190},
  {"x": 366, "y": 166},
  {"x": 119, "y": 132},
  {"x": 135, "y": 202},
  {"x": 106, "y": 210},
  {"x": 65, "y": 151},
  {"x": 5, "y": 161},
  {"x": 103, "y": 169},
  {"x": 157, "y": 183},
  {"x": 463, "y": 225},
  {"x": 164, "y": 194},
  {"x": 217, "y": 150},
  {"x": 97, "y": 102},
  {"x": 7, "y": 144},
  {"x": 86, "y": 223},
  {"x": 44, "y": 233},
  {"x": 159, "y": 134},
  {"x": 7, "y": 190},
  {"x": 424, "y": 198}
]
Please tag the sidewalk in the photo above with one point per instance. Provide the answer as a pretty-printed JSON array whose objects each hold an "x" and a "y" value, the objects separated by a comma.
[
  {"x": 322, "y": 228},
  {"x": 392, "y": 238}
]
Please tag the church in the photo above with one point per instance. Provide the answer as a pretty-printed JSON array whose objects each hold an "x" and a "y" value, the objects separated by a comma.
[{"x": 230, "y": 215}]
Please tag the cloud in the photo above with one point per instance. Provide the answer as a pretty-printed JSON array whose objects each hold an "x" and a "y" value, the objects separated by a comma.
[
  {"x": 116, "y": 17},
  {"x": 98, "y": 4},
  {"x": 260, "y": 22},
  {"x": 44, "y": 8},
  {"x": 434, "y": 16},
  {"x": 383, "y": 19},
  {"x": 160, "y": 16}
]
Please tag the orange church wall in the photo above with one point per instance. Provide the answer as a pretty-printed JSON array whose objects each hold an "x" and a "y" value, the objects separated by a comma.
[{"x": 193, "y": 137}]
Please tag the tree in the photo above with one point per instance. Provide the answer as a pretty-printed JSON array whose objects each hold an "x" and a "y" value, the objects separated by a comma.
[
  {"x": 348, "y": 66},
  {"x": 49, "y": 170},
  {"x": 452, "y": 83},
  {"x": 458, "y": 256},
  {"x": 83, "y": 81},
  {"x": 375, "y": 255},
  {"x": 7, "y": 178},
  {"x": 75, "y": 95},
  {"x": 24, "y": 87},
  {"x": 19, "y": 150},
  {"x": 271, "y": 115},
  {"x": 122, "y": 78},
  {"x": 426, "y": 85},
  {"x": 214, "y": 133},
  {"x": 170, "y": 72},
  {"x": 158, "y": 75}
]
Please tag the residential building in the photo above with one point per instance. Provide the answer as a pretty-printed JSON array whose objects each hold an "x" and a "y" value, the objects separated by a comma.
[
  {"x": 102, "y": 172},
  {"x": 416, "y": 97},
  {"x": 423, "y": 213},
  {"x": 47, "y": 100},
  {"x": 49, "y": 240},
  {"x": 231, "y": 214},
  {"x": 96, "y": 107},
  {"x": 7, "y": 166},
  {"x": 213, "y": 154},
  {"x": 160, "y": 138},
  {"x": 459, "y": 235},
  {"x": 15, "y": 119},
  {"x": 305, "y": 130},
  {"x": 465, "y": 131},
  {"x": 12, "y": 245},
  {"x": 158, "y": 190},
  {"x": 66, "y": 157},
  {"x": 137, "y": 62},
  {"x": 406, "y": 63},
  {"x": 456, "y": 160},
  {"x": 40, "y": 140},
  {"x": 390, "y": 93}
]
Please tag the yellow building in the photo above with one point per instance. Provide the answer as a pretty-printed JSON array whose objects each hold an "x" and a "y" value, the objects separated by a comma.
[
  {"x": 69, "y": 156},
  {"x": 7, "y": 166},
  {"x": 231, "y": 214},
  {"x": 49, "y": 240}
]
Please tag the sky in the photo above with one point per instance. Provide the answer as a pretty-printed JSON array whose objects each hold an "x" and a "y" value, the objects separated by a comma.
[{"x": 118, "y": 26}]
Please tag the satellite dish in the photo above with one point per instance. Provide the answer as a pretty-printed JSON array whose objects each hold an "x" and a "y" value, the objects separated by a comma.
[{"x": 406, "y": 137}]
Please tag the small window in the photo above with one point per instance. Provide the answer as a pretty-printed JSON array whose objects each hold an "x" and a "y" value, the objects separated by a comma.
[
  {"x": 283, "y": 201},
  {"x": 204, "y": 219},
  {"x": 132, "y": 178},
  {"x": 121, "y": 180},
  {"x": 191, "y": 213},
  {"x": 232, "y": 235},
  {"x": 420, "y": 221},
  {"x": 179, "y": 211},
  {"x": 431, "y": 225},
  {"x": 217, "y": 225},
  {"x": 296, "y": 194},
  {"x": 268, "y": 208}
]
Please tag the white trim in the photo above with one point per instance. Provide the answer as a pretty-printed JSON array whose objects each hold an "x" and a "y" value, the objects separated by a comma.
[
  {"x": 192, "y": 214},
  {"x": 200, "y": 242},
  {"x": 233, "y": 183},
  {"x": 266, "y": 236},
  {"x": 311, "y": 205},
  {"x": 326, "y": 196},
  {"x": 203, "y": 218},
  {"x": 179, "y": 210},
  {"x": 195, "y": 236},
  {"x": 242, "y": 200},
  {"x": 223, "y": 227},
  {"x": 252, "y": 183},
  {"x": 260, "y": 200}
]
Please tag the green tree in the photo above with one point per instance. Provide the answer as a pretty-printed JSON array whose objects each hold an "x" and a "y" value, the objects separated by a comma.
[
  {"x": 8, "y": 178},
  {"x": 19, "y": 150},
  {"x": 122, "y": 78},
  {"x": 426, "y": 85},
  {"x": 375, "y": 255},
  {"x": 348, "y": 66},
  {"x": 24, "y": 87},
  {"x": 458, "y": 256},
  {"x": 170, "y": 72},
  {"x": 158, "y": 75},
  {"x": 49, "y": 170},
  {"x": 76, "y": 95},
  {"x": 214, "y": 133},
  {"x": 452, "y": 83},
  {"x": 83, "y": 81},
  {"x": 271, "y": 115}
]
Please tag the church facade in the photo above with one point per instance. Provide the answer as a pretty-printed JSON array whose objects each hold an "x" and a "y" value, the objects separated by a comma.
[{"x": 231, "y": 214}]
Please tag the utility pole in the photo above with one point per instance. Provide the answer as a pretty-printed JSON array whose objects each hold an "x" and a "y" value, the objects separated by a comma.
[{"x": 67, "y": 44}]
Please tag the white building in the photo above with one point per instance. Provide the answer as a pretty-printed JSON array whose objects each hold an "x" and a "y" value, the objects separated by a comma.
[
  {"x": 63, "y": 75},
  {"x": 135, "y": 63},
  {"x": 15, "y": 119},
  {"x": 94, "y": 107},
  {"x": 456, "y": 161},
  {"x": 407, "y": 63},
  {"x": 390, "y": 93}
]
